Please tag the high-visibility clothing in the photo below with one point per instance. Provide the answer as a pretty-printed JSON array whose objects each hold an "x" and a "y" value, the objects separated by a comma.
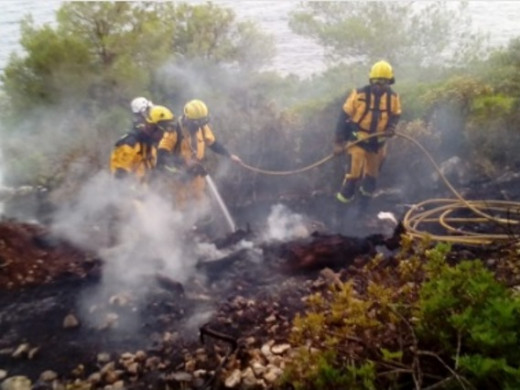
[
  {"x": 185, "y": 147},
  {"x": 133, "y": 154},
  {"x": 366, "y": 111}
]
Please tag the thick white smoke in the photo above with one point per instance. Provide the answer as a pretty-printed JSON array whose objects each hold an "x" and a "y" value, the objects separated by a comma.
[
  {"x": 283, "y": 224},
  {"x": 136, "y": 232}
]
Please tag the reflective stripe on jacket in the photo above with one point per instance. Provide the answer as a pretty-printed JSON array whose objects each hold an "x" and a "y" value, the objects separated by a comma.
[
  {"x": 384, "y": 109},
  {"x": 192, "y": 145}
]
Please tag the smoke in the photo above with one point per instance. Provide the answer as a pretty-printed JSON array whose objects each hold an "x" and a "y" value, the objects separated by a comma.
[
  {"x": 283, "y": 225},
  {"x": 139, "y": 236},
  {"x": 136, "y": 231}
]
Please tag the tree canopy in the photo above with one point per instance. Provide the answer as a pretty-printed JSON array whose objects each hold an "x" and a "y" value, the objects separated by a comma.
[
  {"x": 108, "y": 52},
  {"x": 404, "y": 33}
]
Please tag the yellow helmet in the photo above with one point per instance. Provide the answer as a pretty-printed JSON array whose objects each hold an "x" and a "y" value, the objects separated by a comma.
[
  {"x": 159, "y": 114},
  {"x": 195, "y": 110},
  {"x": 382, "y": 70}
]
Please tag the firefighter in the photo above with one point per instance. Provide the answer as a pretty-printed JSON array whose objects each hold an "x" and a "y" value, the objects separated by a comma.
[
  {"x": 135, "y": 154},
  {"x": 374, "y": 108},
  {"x": 182, "y": 152},
  {"x": 140, "y": 108}
]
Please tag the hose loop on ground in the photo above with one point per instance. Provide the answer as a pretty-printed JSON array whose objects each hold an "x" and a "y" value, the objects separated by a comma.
[{"x": 439, "y": 212}]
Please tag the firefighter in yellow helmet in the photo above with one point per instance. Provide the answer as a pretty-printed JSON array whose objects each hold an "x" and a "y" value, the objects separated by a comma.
[
  {"x": 374, "y": 108},
  {"x": 183, "y": 150},
  {"x": 135, "y": 154}
]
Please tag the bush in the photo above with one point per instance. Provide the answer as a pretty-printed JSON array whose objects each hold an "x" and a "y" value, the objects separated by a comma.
[{"x": 422, "y": 323}]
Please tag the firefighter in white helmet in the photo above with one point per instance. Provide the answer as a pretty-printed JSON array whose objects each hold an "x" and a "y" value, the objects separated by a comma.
[
  {"x": 140, "y": 108},
  {"x": 135, "y": 154},
  {"x": 183, "y": 150},
  {"x": 374, "y": 108}
]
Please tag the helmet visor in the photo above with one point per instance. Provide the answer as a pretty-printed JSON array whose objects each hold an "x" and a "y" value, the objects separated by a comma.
[
  {"x": 196, "y": 123},
  {"x": 380, "y": 81}
]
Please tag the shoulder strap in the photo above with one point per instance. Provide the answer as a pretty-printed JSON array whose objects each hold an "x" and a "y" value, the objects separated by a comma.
[
  {"x": 390, "y": 93},
  {"x": 178, "y": 130},
  {"x": 368, "y": 97},
  {"x": 130, "y": 139}
]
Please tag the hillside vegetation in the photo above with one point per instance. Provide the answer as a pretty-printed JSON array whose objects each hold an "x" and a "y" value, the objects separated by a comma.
[{"x": 424, "y": 322}]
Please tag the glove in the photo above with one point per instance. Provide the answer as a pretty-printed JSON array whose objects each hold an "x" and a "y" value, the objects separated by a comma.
[
  {"x": 172, "y": 169},
  {"x": 196, "y": 169},
  {"x": 338, "y": 148},
  {"x": 354, "y": 128},
  {"x": 390, "y": 132}
]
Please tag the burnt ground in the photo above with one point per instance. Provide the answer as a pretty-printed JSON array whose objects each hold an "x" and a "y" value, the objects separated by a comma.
[{"x": 151, "y": 338}]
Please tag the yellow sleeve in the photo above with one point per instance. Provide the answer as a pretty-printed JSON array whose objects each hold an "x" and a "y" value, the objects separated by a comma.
[
  {"x": 396, "y": 106},
  {"x": 168, "y": 141},
  {"x": 349, "y": 106},
  {"x": 207, "y": 134}
]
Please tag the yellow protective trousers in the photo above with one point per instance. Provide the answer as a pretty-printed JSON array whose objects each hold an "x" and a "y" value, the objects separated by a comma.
[
  {"x": 365, "y": 166},
  {"x": 186, "y": 194}
]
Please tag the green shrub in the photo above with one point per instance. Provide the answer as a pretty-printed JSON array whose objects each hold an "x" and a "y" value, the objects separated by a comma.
[
  {"x": 422, "y": 323},
  {"x": 475, "y": 320}
]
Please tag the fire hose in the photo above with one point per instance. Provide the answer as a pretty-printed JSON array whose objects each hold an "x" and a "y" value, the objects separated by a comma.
[{"x": 439, "y": 211}]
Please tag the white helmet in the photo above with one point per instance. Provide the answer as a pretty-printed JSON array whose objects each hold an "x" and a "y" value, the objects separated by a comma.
[{"x": 140, "y": 105}]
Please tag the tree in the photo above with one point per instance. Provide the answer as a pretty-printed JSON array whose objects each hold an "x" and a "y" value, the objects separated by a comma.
[
  {"x": 107, "y": 52},
  {"x": 71, "y": 88},
  {"x": 208, "y": 32},
  {"x": 404, "y": 33}
]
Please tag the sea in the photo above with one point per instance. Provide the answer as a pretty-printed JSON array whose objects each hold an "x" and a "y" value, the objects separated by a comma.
[{"x": 295, "y": 54}]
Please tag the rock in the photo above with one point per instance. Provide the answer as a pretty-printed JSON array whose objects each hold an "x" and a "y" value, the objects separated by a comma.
[
  {"x": 200, "y": 373},
  {"x": 16, "y": 383},
  {"x": 48, "y": 376},
  {"x": 112, "y": 377},
  {"x": 181, "y": 376},
  {"x": 22, "y": 350},
  {"x": 127, "y": 356},
  {"x": 248, "y": 378},
  {"x": 70, "y": 321},
  {"x": 94, "y": 378},
  {"x": 110, "y": 321},
  {"x": 33, "y": 352},
  {"x": 266, "y": 350},
  {"x": 110, "y": 366},
  {"x": 272, "y": 374},
  {"x": 133, "y": 368},
  {"x": 280, "y": 348},
  {"x": 103, "y": 357},
  {"x": 152, "y": 363},
  {"x": 190, "y": 365},
  {"x": 250, "y": 341},
  {"x": 233, "y": 380},
  {"x": 140, "y": 356},
  {"x": 258, "y": 368},
  {"x": 119, "y": 300},
  {"x": 78, "y": 371}
]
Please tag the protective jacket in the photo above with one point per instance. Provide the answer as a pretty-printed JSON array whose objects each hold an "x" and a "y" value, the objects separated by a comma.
[
  {"x": 133, "y": 154},
  {"x": 365, "y": 112},
  {"x": 180, "y": 149},
  {"x": 182, "y": 146}
]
